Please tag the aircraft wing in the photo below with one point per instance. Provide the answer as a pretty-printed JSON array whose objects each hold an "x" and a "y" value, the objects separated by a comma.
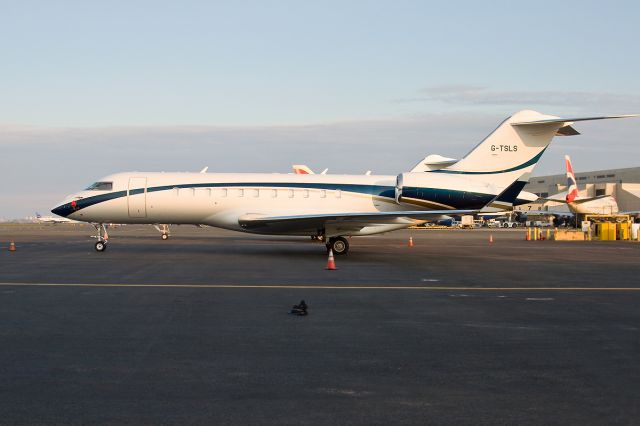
[
  {"x": 561, "y": 198},
  {"x": 345, "y": 221}
]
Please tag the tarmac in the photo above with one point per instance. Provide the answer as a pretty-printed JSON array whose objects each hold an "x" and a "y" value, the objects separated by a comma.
[{"x": 197, "y": 330}]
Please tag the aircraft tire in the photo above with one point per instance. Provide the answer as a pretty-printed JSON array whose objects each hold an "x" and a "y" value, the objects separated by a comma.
[
  {"x": 100, "y": 246},
  {"x": 165, "y": 236},
  {"x": 339, "y": 245}
]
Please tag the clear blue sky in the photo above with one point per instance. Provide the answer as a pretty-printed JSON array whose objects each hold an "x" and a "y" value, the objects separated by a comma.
[
  {"x": 276, "y": 62},
  {"x": 97, "y": 66}
]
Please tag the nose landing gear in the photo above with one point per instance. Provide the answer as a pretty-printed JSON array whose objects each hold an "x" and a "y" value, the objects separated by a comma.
[
  {"x": 103, "y": 237},
  {"x": 164, "y": 231}
]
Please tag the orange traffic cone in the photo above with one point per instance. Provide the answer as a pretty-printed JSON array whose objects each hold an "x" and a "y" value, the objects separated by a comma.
[
  {"x": 12, "y": 246},
  {"x": 490, "y": 238},
  {"x": 410, "y": 241},
  {"x": 331, "y": 263}
]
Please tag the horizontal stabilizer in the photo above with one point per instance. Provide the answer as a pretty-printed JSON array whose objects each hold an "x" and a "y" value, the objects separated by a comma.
[
  {"x": 560, "y": 197},
  {"x": 572, "y": 120}
]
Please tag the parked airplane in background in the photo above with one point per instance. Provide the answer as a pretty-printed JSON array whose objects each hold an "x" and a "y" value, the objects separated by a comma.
[
  {"x": 601, "y": 204},
  {"x": 53, "y": 219},
  {"x": 330, "y": 206},
  {"x": 303, "y": 169}
]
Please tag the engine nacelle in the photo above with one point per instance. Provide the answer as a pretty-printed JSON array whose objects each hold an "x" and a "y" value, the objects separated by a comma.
[
  {"x": 442, "y": 188},
  {"x": 411, "y": 180}
]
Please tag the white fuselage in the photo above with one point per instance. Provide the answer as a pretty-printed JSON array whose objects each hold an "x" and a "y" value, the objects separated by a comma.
[
  {"x": 220, "y": 200},
  {"x": 605, "y": 205}
]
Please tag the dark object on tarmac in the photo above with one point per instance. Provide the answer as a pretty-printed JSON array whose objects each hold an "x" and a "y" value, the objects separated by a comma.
[{"x": 300, "y": 309}]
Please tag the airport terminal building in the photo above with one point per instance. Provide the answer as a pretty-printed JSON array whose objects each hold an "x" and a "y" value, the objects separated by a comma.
[{"x": 622, "y": 184}]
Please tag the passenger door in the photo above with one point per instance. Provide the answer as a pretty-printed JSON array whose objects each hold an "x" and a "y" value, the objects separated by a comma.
[{"x": 137, "y": 197}]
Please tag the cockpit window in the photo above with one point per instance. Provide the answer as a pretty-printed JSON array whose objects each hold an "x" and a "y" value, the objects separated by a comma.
[{"x": 101, "y": 186}]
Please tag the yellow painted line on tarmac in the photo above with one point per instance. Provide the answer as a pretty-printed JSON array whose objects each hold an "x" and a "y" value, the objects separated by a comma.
[{"x": 328, "y": 287}]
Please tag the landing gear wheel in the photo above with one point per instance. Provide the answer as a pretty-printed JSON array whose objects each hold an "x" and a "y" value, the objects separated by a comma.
[
  {"x": 339, "y": 245},
  {"x": 165, "y": 236},
  {"x": 101, "y": 246}
]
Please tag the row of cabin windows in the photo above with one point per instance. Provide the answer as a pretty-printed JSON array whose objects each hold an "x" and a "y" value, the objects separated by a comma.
[{"x": 255, "y": 192}]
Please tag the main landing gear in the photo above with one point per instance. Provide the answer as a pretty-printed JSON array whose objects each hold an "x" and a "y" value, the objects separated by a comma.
[
  {"x": 164, "y": 231},
  {"x": 339, "y": 245},
  {"x": 103, "y": 237}
]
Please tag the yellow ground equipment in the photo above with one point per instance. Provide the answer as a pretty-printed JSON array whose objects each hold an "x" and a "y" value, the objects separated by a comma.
[{"x": 611, "y": 227}]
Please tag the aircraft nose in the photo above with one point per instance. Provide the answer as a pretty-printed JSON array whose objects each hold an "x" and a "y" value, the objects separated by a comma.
[
  {"x": 62, "y": 210},
  {"x": 66, "y": 207}
]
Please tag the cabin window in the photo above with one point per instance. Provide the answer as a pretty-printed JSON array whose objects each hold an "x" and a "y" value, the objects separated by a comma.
[
  {"x": 101, "y": 186},
  {"x": 600, "y": 192},
  {"x": 611, "y": 175},
  {"x": 582, "y": 178},
  {"x": 599, "y": 176}
]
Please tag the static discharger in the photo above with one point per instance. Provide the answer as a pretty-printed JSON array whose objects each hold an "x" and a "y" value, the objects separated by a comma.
[
  {"x": 12, "y": 246},
  {"x": 331, "y": 263}
]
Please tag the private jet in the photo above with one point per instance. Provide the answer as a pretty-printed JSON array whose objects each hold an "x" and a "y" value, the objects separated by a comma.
[{"x": 330, "y": 207}]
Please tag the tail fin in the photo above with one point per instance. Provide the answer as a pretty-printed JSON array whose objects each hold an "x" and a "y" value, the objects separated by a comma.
[
  {"x": 515, "y": 147},
  {"x": 572, "y": 186},
  {"x": 301, "y": 169}
]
